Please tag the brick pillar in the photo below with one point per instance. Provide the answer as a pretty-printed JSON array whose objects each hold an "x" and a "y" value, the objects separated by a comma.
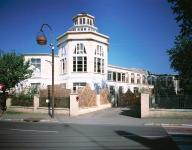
[
  {"x": 98, "y": 103},
  {"x": 35, "y": 102},
  {"x": 8, "y": 102},
  {"x": 144, "y": 105},
  {"x": 74, "y": 105}
]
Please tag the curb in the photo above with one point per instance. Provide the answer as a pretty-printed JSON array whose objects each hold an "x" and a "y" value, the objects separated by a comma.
[
  {"x": 169, "y": 125},
  {"x": 28, "y": 120},
  {"x": 16, "y": 120}
]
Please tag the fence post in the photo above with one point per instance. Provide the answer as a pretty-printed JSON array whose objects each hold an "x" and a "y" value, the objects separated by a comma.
[
  {"x": 74, "y": 105},
  {"x": 35, "y": 102},
  {"x": 144, "y": 105}
]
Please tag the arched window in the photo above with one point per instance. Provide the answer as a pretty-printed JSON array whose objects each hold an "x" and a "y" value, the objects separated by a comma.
[
  {"x": 79, "y": 49},
  {"x": 99, "y": 60},
  {"x": 132, "y": 78},
  {"x": 138, "y": 79},
  {"x": 127, "y": 78},
  {"x": 144, "y": 79}
]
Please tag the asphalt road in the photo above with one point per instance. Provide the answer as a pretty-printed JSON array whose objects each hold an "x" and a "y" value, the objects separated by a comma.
[
  {"x": 181, "y": 135},
  {"x": 49, "y": 136}
]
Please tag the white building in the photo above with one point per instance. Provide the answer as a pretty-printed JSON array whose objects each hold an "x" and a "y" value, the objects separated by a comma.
[{"x": 83, "y": 59}]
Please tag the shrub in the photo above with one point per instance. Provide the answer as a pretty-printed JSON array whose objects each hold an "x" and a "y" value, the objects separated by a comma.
[
  {"x": 22, "y": 99},
  {"x": 129, "y": 99},
  {"x": 60, "y": 102}
]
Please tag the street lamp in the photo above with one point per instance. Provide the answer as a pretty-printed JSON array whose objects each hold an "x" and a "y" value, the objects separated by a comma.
[{"x": 42, "y": 40}]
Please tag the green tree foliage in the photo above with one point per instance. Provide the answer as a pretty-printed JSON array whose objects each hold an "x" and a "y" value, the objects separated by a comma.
[
  {"x": 13, "y": 69},
  {"x": 183, "y": 11},
  {"x": 181, "y": 54}
]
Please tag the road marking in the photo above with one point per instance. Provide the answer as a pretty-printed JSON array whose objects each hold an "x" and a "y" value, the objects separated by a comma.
[
  {"x": 179, "y": 133},
  {"x": 154, "y": 136},
  {"x": 45, "y": 131},
  {"x": 149, "y": 136},
  {"x": 169, "y": 125}
]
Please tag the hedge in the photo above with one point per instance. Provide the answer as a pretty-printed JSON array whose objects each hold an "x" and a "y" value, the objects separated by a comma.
[
  {"x": 59, "y": 102},
  {"x": 22, "y": 100}
]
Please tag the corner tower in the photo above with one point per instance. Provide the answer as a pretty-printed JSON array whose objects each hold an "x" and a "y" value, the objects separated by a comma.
[{"x": 83, "y": 53}]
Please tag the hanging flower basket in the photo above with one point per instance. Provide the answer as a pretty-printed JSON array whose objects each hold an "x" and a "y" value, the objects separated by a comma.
[{"x": 41, "y": 39}]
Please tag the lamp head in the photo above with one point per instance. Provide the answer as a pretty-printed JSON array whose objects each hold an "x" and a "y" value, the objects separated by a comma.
[{"x": 41, "y": 39}]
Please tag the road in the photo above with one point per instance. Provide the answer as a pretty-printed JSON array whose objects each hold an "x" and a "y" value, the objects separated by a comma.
[
  {"x": 181, "y": 135},
  {"x": 23, "y": 135}
]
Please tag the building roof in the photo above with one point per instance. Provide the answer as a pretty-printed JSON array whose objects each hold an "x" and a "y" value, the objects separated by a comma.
[
  {"x": 83, "y": 14},
  {"x": 137, "y": 70},
  {"x": 39, "y": 54}
]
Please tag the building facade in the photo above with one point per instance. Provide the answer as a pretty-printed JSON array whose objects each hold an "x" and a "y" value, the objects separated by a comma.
[{"x": 83, "y": 59}]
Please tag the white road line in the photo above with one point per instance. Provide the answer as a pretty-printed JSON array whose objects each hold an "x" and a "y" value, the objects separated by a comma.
[
  {"x": 155, "y": 136},
  {"x": 148, "y": 136},
  {"x": 179, "y": 133},
  {"x": 169, "y": 125},
  {"x": 45, "y": 131}
]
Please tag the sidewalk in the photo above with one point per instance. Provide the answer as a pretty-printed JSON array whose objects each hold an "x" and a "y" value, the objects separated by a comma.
[
  {"x": 20, "y": 116},
  {"x": 103, "y": 117}
]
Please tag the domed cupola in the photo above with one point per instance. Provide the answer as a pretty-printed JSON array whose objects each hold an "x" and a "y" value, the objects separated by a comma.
[{"x": 83, "y": 22}]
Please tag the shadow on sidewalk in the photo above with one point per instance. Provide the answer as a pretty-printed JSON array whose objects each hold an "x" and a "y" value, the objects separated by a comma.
[
  {"x": 133, "y": 111},
  {"x": 159, "y": 143}
]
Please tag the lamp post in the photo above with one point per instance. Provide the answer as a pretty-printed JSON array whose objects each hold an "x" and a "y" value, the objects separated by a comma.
[{"x": 42, "y": 40}]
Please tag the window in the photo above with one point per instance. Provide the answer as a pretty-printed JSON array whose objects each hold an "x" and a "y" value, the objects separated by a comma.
[
  {"x": 119, "y": 76},
  {"x": 75, "y": 21},
  {"x": 87, "y": 21},
  {"x": 120, "y": 89},
  {"x": 123, "y": 77},
  {"x": 36, "y": 62},
  {"x": 98, "y": 65},
  {"x": 98, "y": 60},
  {"x": 114, "y": 76},
  {"x": 95, "y": 65},
  {"x": 83, "y": 20},
  {"x": 80, "y": 20},
  {"x": 136, "y": 90},
  {"x": 79, "y": 49},
  {"x": 63, "y": 51},
  {"x": 90, "y": 22},
  {"x": 35, "y": 86},
  {"x": 127, "y": 78},
  {"x": 112, "y": 90},
  {"x": 79, "y": 64},
  {"x": 102, "y": 66},
  {"x": 109, "y": 75},
  {"x": 132, "y": 78},
  {"x": 138, "y": 79},
  {"x": 144, "y": 79},
  {"x": 78, "y": 86},
  {"x": 99, "y": 51},
  {"x": 63, "y": 65}
]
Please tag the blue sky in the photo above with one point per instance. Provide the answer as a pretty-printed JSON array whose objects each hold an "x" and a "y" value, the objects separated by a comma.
[{"x": 140, "y": 31}]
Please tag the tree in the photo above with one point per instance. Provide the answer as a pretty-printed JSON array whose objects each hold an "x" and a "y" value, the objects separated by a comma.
[
  {"x": 13, "y": 69},
  {"x": 181, "y": 54}
]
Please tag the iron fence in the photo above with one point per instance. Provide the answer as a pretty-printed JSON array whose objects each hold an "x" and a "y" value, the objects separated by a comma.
[{"x": 171, "y": 102}]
